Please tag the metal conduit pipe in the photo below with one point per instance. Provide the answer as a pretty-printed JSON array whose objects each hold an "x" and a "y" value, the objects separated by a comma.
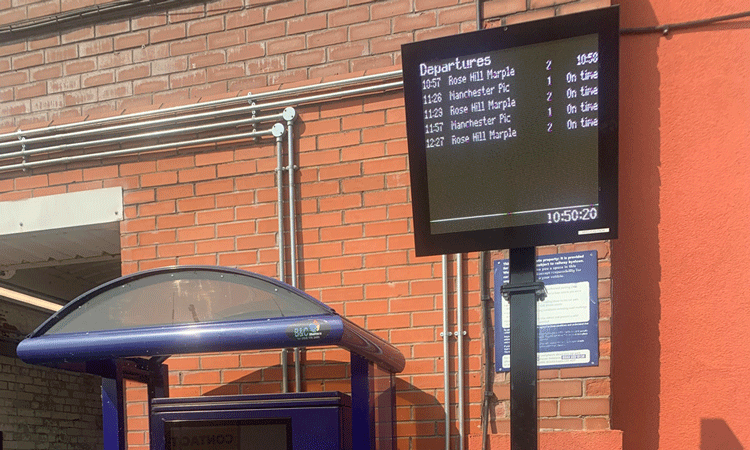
[
  {"x": 280, "y": 241},
  {"x": 396, "y": 74},
  {"x": 70, "y": 127},
  {"x": 446, "y": 350},
  {"x": 138, "y": 125},
  {"x": 128, "y": 151},
  {"x": 488, "y": 372},
  {"x": 460, "y": 332},
  {"x": 280, "y": 206},
  {"x": 289, "y": 115},
  {"x": 297, "y": 369},
  {"x": 284, "y": 368},
  {"x": 137, "y": 137},
  {"x": 273, "y": 105},
  {"x": 250, "y": 98},
  {"x": 333, "y": 95}
]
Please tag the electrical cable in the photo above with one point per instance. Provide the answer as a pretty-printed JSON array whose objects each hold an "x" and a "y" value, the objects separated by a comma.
[
  {"x": 488, "y": 380},
  {"x": 665, "y": 29}
]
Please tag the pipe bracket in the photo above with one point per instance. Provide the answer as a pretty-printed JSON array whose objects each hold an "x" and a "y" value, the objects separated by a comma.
[{"x": 22, "y": 138}]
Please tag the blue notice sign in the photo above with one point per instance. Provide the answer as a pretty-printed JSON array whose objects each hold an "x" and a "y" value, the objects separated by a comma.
[{"x": 567, "y": 320}]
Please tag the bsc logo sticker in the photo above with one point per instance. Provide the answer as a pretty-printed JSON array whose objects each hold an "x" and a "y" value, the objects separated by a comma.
[{"x": 308, "y": 331}]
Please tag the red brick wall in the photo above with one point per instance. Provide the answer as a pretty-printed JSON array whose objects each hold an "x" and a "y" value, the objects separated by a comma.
[
  {"x": 48, "y": 408},
  {"x": 218, "y": 207},
  {"x": 220, "y": 47}
]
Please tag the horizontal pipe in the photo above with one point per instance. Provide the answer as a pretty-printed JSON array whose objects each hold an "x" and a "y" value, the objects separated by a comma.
[
  {"x": 136, "y": 137},
  {"x": 331, "y": 95},
  {"x": 256, "y": 107},
  {"x": 127, "y": 151},
  {"x": 216, "y": 103},
  {"x": 131, "y": 126},
  {"x": 328, "y": 85}
]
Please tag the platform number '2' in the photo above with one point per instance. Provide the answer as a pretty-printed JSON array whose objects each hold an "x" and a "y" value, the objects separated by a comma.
[{"x": 549, "y": 96}]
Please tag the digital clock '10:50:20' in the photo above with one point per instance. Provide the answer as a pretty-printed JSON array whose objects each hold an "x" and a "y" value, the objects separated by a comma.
[{"x": 572, "y": 215}]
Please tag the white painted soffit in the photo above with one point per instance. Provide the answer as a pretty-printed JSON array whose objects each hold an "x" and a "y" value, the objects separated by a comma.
[
  {"x": 68, "y": 210},
  {"x": 60, "y": 229}
]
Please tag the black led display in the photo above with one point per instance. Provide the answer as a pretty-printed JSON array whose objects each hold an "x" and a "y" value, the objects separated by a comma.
[{"x": 512, "y": 134}]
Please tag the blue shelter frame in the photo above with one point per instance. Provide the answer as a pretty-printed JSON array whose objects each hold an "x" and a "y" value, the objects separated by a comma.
[{"x": 126, "y": 329}]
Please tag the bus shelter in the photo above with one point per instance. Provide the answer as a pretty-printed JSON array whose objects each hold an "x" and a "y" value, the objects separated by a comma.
[{"x": 127, "y": 328}]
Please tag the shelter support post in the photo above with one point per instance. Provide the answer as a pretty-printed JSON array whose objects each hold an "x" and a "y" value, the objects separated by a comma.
[
  {"x": 363, "y": 414},
  {"x": 113, "y": 408},
  {"x": 158, "y": 387}
]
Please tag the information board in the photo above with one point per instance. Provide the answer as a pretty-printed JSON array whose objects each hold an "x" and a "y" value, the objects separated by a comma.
[
  {"x": 513, "y": 134},
  {"x": 567, "y": 320}
]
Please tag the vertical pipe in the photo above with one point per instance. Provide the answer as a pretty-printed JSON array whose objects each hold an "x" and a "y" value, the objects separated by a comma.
[
  {"x": 487, "y": 379},
  {"x": 460, "y": 333},
  {"x": 289, "y": 115},
  {"x": 297, "y": 370},
  {"x": 278, "y": 132},
  {"x": 284, "y": 370},
  {"x": 446, "y": 366}
]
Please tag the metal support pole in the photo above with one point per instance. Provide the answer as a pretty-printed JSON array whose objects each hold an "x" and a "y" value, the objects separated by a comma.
[
  {"x": 363, "y": 414},
  {"x": 113, "y": 411},
  {"x": 523, "y": 350},
  {"x": 158, "y": 387}
]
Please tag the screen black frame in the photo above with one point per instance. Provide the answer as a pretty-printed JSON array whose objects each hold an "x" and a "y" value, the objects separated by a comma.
[{"x": 602, "y": 22}]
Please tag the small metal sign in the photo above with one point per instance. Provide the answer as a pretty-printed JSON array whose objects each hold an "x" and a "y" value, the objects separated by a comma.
[{"x": 567, "y": 320}]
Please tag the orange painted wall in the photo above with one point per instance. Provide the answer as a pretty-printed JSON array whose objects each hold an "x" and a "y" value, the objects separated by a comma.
[{"x": 681, "y": 319}]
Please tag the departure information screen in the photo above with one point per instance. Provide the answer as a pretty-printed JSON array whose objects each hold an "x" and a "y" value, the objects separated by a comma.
[{"x": 512, "y": 135}]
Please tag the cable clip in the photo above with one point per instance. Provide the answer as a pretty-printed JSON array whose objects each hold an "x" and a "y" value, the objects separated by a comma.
[
  {"x": 253, "y": 115},
  {"x": 22, "y": 138}
]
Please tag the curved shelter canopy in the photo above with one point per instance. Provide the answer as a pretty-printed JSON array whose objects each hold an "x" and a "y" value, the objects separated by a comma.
[{"x": 154, "y": 314}]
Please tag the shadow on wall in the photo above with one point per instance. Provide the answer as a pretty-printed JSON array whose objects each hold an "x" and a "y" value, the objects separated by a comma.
[
  {"x": 716, "y": 435},
  {"x": 636, "y": 267},
  {"x": 425, "y": 412}
]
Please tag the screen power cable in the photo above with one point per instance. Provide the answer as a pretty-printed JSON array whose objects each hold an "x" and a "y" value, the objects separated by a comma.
[{"x": 665, "y": 29}]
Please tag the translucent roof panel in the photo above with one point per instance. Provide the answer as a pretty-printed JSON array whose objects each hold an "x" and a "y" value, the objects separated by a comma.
[
  {"x": 194, "y": 309},
  {"x": 182, "y": 295}
]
